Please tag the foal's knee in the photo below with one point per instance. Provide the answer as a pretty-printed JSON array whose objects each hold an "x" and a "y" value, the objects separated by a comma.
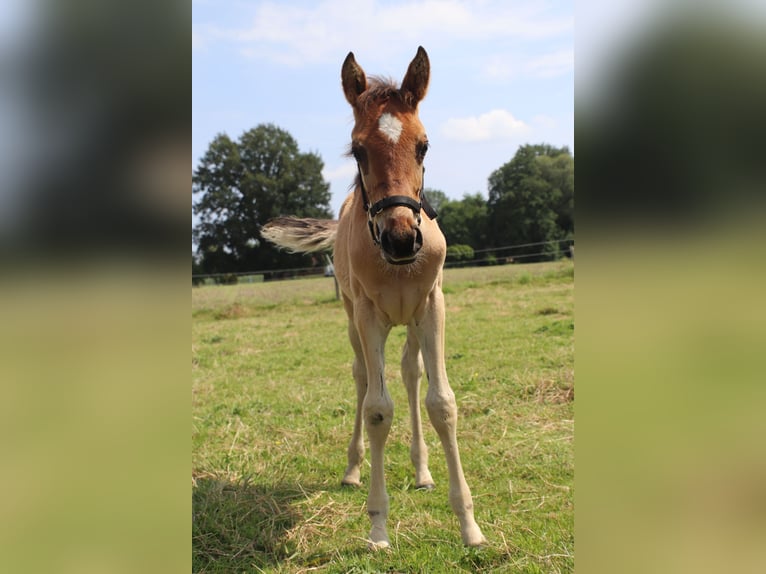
[
  {"x": 378, "y": 414},
  {"x": 442, "y": 410}
]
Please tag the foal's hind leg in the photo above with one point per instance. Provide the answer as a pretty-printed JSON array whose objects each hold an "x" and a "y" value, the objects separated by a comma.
[
  {"x": 352, "y": 476},
  {"x": 412, "y": 373}
]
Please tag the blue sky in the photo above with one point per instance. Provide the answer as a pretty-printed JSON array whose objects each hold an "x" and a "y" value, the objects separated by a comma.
[{"x": 502, "y": 74}]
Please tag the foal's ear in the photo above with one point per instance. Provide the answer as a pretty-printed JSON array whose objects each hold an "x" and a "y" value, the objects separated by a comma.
[
  {"x": 353, "y": 78},
  {"x": 415, "y": 83}
]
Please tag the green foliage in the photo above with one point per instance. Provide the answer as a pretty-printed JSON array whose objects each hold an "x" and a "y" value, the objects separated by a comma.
[
  {"x": 465, "y": 221},
  {"x": 196, "y": 270},
  {"x": 458, "y": 253},
  {"x": 239, "y": 185},
  {"x": 531, "y": 200},
  {"x": 558, "y": 172},
  {"x": 436, "y": 198},
  {"x": 489, "y": 259}
]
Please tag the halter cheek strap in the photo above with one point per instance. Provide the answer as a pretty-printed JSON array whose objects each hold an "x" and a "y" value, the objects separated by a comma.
[{"x": 392, "y": 201}]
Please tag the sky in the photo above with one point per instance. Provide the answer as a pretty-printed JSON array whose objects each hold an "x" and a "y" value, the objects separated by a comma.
[{"x": 502, "y": 75}]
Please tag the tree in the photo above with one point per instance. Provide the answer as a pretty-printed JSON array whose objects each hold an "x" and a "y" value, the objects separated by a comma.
[
  {"x": 241, "y": 185},
  {"x": 459, "y": 255},
  {"x": 558, "y": 171},
  {"x": 531, "y": 200},
  {"x": 196, "y": 269},
  {"x": 435, "y": 197},
  {"x": 464, "y": 222}
]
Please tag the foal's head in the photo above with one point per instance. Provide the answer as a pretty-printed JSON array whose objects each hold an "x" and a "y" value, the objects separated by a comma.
[{"x": 389, "y": 144}]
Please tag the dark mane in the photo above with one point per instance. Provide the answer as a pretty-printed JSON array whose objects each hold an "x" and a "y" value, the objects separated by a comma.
[{"x": 380, "y": 89}]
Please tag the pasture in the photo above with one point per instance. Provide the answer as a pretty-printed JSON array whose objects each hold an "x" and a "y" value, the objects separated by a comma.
[{"x": 272, "y": 412}]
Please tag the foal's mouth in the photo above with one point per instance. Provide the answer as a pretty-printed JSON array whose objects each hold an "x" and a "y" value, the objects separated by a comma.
[{"x": 399, "y": 260}]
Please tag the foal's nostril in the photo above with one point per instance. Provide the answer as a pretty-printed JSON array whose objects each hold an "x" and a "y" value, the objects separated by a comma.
[
  {"x": 401, "y": 245},
  {"x": 385, "y": 242}
]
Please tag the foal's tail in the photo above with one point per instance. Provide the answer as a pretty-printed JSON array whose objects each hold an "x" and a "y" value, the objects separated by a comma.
[{"x": 301, "y": 235}]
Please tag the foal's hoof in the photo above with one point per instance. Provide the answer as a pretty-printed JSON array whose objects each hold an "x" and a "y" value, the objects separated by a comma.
[
  {"x": 472, "y": 536},
  {"x": 477, "y": 543},
  {"x": 352, "y": 477},
  {"x": 377, "y": 546},
  {"x": 425, "y": 486},
  {"x": 378, "y": 539}
]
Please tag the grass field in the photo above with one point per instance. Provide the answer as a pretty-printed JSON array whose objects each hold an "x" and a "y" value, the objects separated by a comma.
[{"x": 273, "y": 405}]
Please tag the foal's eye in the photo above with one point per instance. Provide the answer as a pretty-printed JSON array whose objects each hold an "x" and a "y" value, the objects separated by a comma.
[
  {"x": 420, "y": 150},
  {"x": 358, "y": 153}
]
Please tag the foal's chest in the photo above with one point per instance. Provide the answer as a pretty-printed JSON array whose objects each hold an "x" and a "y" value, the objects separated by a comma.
[{"x": 398, "y": 301}]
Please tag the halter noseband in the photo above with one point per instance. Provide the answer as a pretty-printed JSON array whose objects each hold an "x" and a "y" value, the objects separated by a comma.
[{"x": 394, "y": 200}]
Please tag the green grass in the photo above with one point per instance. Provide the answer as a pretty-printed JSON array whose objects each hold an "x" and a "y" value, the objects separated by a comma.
[{"x": 273, "y": 404}]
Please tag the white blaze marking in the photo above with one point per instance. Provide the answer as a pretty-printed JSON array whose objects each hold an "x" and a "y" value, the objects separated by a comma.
[{"x": 390, "y": 126}]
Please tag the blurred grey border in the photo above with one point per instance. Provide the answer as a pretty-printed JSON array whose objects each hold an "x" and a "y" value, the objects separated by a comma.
[
  {"x": 95, "y": 146},
  {"x": 670, "y": 314},
  {"x": 670, "y": 114},
  {"x": 95, "y": 181}
]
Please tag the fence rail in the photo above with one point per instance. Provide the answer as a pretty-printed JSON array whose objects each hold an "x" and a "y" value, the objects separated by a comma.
[{"x": 565, "y": 248}]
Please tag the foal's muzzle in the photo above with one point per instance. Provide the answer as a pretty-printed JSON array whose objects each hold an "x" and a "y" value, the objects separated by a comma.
[
  {"x": 400, "y": 243},
  {"x": 400, "y": 247}
]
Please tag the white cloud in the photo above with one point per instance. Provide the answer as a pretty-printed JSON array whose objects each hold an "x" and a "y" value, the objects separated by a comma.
[
  {"x": 495, "y": 124},
  {"x": 544, "y": 121},
  {"x": 509, "y": 66},
  {"x": 553, "y": 64},
  {"x": 296, "y": 35},
  {"x": 502, "y": 67}
]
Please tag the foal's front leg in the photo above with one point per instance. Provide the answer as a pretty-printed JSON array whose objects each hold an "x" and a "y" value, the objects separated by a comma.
[
  {"x": 377, "y": 413},
  {"x": 442, "y": 410}
]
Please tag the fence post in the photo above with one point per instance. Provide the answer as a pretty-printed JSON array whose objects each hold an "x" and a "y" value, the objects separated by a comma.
[{"x": 328, "y": 260}]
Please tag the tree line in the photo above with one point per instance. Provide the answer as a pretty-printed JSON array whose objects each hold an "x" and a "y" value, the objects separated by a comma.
[{"x": 240, "y": 184}]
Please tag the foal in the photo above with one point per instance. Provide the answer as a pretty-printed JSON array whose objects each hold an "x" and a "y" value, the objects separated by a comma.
[{"x": 388, "y": 257}]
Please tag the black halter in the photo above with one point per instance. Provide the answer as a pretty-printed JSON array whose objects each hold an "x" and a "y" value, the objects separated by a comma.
[{"x": 393, "y": 200}]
